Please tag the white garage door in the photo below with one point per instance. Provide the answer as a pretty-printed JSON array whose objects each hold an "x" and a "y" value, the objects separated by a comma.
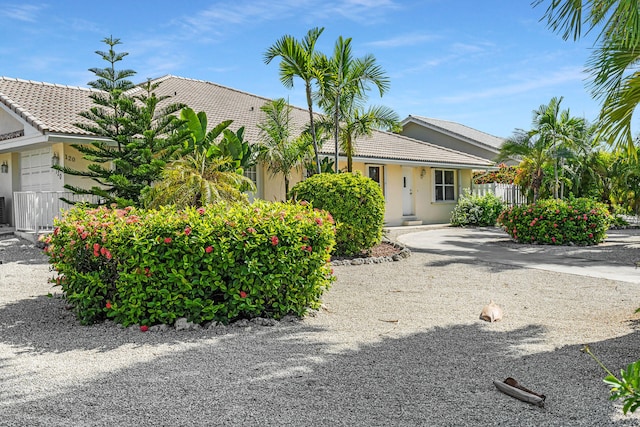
[{"x": 35, "y": 170}]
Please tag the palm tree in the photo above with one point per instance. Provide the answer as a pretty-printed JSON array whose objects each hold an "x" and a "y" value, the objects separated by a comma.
[
  {"x": 200, "y": 173},
  {"x": 534, "y": 151},
  {"x": 613, "y": 63},
  {"x": 557, "y": 126},
  {"x": 299, "y": 59},
  {"x": 357, "y": 122},
  {"x": 195, "y": 180},
  {"x": 279, "y": 150},
  {"x": 346, "y": 79}
]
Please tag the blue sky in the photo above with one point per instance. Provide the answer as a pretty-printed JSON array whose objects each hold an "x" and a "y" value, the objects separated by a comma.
[{"x": 486, "y": 64}]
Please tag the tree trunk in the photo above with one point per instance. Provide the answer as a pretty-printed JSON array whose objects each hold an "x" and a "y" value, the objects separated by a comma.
[{"x": 313, "y": 128}]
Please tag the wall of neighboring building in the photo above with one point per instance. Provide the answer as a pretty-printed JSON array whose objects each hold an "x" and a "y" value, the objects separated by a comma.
[{"x": 415, "y": 131}]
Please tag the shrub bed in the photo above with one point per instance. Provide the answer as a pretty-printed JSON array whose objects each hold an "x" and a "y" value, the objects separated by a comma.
[
  {"x": 356, "y": 202},
  {"x": 216, "y": 263},
  {"x": 481, "y": 211},
  {"x": 557, "y": 222}
]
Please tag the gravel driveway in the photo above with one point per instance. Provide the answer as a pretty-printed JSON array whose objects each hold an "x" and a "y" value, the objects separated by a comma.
[{"x": 395, "y": 344}]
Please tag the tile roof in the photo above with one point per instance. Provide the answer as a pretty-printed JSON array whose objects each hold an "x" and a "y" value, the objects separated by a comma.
[
  {"x": 54, "y": 108},
  {"x": 460, "y": 130},
  {"x": 47, "y": 107}
]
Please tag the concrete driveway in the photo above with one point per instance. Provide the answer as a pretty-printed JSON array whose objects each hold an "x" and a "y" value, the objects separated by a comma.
[{"x": 613, "y": 259}]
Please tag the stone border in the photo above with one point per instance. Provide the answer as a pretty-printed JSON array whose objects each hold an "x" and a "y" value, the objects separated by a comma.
[{"x": 404, "y": 253}]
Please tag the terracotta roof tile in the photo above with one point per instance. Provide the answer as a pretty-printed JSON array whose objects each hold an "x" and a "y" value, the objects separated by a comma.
[{"x": 54, "y": 108}]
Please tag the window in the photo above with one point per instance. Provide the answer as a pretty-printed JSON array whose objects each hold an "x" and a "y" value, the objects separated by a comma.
[
  {"x": 444, "y": 185},
  {"x": 376, "y": 172},
  {"x": 252, "y": 174}
]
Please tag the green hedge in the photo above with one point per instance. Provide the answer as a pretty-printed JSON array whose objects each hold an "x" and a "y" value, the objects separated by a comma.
[
  {"x": 355, "y": 202},
  {"x": 557, "y": 222},
  {"x": 216, "y": 263},
  {"x": 481, "y": 211}
]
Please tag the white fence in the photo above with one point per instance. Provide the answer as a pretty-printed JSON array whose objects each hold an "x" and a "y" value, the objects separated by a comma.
[
  {"x": 510, "y": 193},
  {"x": 34, "y": 211}
]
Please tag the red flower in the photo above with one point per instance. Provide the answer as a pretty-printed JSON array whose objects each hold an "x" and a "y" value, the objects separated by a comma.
[
  {"x": 208, "y": 249},
  {"x": 147, "y": 272},
  {"x": 96, "y": 247},
  {"x": 187, "y": 231},
  {"x": 56, "y": 231},
  {"x": 108, "y": 305},
  {"x": 553, "y": 239},
  {"x": 591, "y": 235},
  {"x": 243, "y": 294},
  {"x": 274, "y": 240},
  {"x": 144, "y": 328},
  {"x": 200, "y": 211},
  {"x": 319, "y": 221},
  {"x": 167, "y": 240}
]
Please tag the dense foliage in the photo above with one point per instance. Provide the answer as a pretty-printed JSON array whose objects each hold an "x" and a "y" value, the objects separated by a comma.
[
  {"x": 504, "y": 175},
  {"x": 356, "y": 202},
  {"x": 216, "y": 263},
  {"x": 557, "y": 222},
  {"x": 141, "y": 134},
  {"x": 481, "y": 211}
]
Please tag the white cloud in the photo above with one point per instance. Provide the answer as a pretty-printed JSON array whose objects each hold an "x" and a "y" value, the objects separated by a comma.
[
  {"x": 559, "y": 77},
  {"x": 403, "y": 40},
  {"x": 23, "y": 12}
]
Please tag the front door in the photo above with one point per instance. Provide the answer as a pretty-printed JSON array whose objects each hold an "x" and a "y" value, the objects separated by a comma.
[{"x": 407, "y": 191}]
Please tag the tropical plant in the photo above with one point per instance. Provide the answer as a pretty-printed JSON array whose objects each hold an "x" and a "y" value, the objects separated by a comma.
[
  {"x": 558, "y": 127},
  {"x": 355, "y": 202},
  {"x": 534, "y": 152},
  {"x": 205, "y": 171},
  {"x": 282, "y": 152},
  {"x": 627, "y": 387},
  {"x": 343, "y": 93},
  {"x": 299, "y": 59},
  {"x": 557, "y": 222},
  {"x": 613, "y": 62},
  {"x": 216, "y": 263},
  {"x": 145, "y": 135},
  {"x": 480, "y": 211}
]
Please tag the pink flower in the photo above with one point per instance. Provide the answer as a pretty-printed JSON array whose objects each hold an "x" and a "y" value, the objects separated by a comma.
[
  {"x": 187, "y": 231},
  {"x": 147, "y": 272},
  {"x": 108, "y": 305},
  {"x": 243, "y": 294},
  {"x": 557, "y": 211},
  {"x": 56, "y": 231},
  {"x": 303, "y": 203},
  {"x": 553, "y": 239},
  {"x": 274, "y": 240},
  {"x": 144, "y": 328},
  {"x": 251, "y": 230},
  {"x": 591, "y": 235},
  {"x": 208, "y": 249},
  {"x": 201, "y": 211},
  {"x": 84, "y": 235},
  {"x": 555, "y": 225},
  {"x": 167, "y": 240},
  {"x": 319, "y": 221}
]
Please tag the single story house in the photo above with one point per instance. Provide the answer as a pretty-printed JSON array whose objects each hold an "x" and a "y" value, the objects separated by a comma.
[{"x": 421, "y": 180}]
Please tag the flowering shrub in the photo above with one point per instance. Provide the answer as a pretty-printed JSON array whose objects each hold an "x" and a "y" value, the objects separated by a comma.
[
  {"x": 557, "y": 222},
  {"x": 355, "y": 201},
  {"x": 504, "y": 175},
  {"x": 479, "y": 211},
  {"x": 217, "y": 263}
]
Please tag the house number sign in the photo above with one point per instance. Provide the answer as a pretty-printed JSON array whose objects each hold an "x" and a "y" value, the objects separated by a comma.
[{"x": 69, "y": 158}]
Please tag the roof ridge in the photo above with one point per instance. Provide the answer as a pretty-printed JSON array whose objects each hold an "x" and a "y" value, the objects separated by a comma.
[
  {"x": 40, "y": 83},
  {"x": 168, "y": 76}
]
